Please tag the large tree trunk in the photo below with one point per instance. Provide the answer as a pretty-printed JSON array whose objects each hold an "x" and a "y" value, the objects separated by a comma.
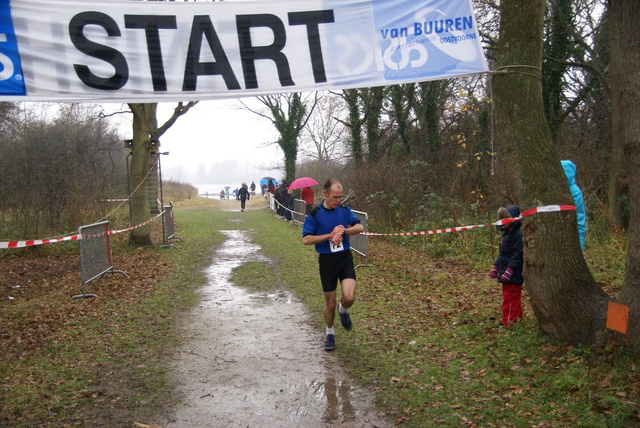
[
  {"x": 289, "y": 146},
  {"x": 373, "y": 104},
  {"x": 566, "y": 300},
  {"x": 144, "y": 123},
  {"x": 625, "y": 97},
  {"x": 146, "y": 134},
  {"x": 355, "y": 125},
  {"x": 618, "y": 192}
]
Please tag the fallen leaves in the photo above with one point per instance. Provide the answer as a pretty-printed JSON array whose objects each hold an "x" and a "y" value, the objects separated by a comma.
[{"x": 41, "y": 319}]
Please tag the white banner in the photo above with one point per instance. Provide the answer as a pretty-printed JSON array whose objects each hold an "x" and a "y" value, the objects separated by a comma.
[{"x": 139, "y": 51}]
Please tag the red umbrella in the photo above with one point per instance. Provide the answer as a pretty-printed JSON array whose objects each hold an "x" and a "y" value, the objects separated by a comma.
[{"x": 302, "y": 182}]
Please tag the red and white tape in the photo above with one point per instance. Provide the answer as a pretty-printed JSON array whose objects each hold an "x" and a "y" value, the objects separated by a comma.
[
  {"x": 543, "y": 209},
  {"x": 34, "y": 242}
]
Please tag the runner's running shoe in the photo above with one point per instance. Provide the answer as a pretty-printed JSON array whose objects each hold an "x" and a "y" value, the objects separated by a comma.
[
  {"x": 345, "y": 319},
  {"x": 330, "y": 344}
]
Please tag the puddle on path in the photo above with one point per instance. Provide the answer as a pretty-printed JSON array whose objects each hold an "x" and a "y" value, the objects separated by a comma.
[{"x": 254, "y": 359}]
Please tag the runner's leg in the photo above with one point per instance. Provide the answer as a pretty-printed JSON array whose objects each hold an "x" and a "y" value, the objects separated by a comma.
[
  {"x": 348, "y": 292},
  {"x": 329, "y": 307}
]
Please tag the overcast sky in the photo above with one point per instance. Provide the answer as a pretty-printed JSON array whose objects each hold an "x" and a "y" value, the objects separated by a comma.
[{"x": 216, "y": 143}]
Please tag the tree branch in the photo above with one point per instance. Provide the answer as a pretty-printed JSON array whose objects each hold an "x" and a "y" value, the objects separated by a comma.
[{"x": 177, "y": 112}]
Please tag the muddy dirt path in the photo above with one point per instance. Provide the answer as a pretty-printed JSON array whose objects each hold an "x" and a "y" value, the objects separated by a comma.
[{"x": 252, "y": 359}]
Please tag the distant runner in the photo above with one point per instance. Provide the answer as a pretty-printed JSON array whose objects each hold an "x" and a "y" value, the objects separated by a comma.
[
  {"x": 243, "y": 195},
  {"x": 328, "y": 227}
]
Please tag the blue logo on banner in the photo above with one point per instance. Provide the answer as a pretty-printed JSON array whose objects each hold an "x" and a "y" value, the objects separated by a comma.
[{"x": 11, "y": 78}]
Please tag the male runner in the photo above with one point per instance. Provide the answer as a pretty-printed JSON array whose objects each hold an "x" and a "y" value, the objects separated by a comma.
[{"x": 328, "y": 227}]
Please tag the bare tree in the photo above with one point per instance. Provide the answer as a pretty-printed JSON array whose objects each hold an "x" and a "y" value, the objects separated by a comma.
[
  {"x": 146, "y": 139},
  {"x": 289, "y": 114},
  {"x": 325, "y": 135}
]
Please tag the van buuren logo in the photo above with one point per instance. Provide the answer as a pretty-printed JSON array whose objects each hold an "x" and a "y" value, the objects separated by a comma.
[{"x": 11, "y": 79}]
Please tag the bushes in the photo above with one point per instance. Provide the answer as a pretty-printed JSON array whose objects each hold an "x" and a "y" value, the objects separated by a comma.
[
  {"x": 54, "y": 170},
  {"x": 176, "y": 191},
  {"x": 409, "y": 196}
]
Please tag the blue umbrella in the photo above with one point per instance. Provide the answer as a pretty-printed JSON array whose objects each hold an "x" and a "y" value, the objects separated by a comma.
[{"x": 266, "y": 182}]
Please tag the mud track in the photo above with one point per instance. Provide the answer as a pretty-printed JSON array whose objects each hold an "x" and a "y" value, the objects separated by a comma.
[{"x": 253, "y": 359}]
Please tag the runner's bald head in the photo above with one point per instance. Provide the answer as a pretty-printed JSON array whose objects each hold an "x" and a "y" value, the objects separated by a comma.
[{"x": 330, "y": 183}]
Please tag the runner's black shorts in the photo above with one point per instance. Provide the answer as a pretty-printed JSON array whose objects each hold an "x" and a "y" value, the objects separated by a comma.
[{"x": 334, "y": 267}]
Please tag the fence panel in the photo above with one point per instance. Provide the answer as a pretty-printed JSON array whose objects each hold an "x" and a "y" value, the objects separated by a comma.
[
  {"x": 169, "y": 226},
  {"x": 299, "y": 206},
  {"x": 95, "y": 254},
  {"x": 360, "y": 243},
  {"x": 272, "y": 201}
]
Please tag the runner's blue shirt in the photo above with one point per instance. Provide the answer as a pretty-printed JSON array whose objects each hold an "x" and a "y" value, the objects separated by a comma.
[{"x": 322, "y": 221}]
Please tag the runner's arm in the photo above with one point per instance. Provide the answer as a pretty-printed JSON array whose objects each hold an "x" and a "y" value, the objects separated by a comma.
[
  {"x": 335, "y": 234},
  {"x": 355, "y": 229},
  {"x": 316, "y": 239}
]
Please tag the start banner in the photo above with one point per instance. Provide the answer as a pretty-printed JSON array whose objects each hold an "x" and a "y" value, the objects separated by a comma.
[{"x": 154, "y": 51}]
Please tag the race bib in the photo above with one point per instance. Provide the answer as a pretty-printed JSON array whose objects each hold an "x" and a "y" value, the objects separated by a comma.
[{"x": 335, "y": 248}]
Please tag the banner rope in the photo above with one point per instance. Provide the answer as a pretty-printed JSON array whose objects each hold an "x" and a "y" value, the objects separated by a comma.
[
  {"x": 506, "y": 69},
  {"x": 144, "y": 180},
  {"x": 33, "y": 242},
  {"x": 67, "y": 236}
]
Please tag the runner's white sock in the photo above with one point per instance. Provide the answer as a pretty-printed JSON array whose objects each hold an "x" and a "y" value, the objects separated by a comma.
[
  {"x": 330, "y": 330},
  {"x": 341, "y": 310}
]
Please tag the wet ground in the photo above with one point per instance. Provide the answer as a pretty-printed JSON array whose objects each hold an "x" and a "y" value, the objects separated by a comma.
[{"x": 254, "y": 360}]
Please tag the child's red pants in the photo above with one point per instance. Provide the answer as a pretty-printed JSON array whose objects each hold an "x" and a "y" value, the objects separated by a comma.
[{"x": 511, "y": 308}]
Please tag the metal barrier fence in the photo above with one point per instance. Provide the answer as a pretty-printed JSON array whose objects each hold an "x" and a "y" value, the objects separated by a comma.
[
  {"x": 299, "y": 206},
  {"x": 95, "y": 255},
  {"x": 272, "y": 201},
  {"x": 360, "y": 243},
  {"x": 168, "y": 225}
]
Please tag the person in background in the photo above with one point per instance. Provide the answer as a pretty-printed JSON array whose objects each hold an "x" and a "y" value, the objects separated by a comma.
[
  {"x": 328, "y": 227},
  {"x": 288, "y": 203},
  {"x": 507, "y": 268},
  {"x": 271, "y": 188},
  {"x": 253, "y": 189},
  {"x": 243, "y": 195},
  {"x": 222, "y": 195},
  {"x": 280, "y": 195},
  {"x": 307, "y": 196},
  {"x": 570, "y": 171}
]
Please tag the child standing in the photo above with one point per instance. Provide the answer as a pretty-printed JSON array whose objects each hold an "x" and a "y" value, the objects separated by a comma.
[{"x": 507, "y": 268}]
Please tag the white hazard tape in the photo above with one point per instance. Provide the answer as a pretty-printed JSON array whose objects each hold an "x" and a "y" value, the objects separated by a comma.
[
  {"x": 544, "y": 209},
  {"x": 288, "y": 209},
  {"x": 113, "y": 200},
  {"x": 33, "y": 242}
]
